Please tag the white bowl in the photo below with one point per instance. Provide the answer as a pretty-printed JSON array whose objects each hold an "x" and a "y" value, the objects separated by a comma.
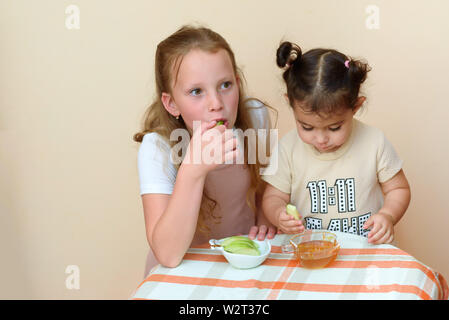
[{"x": 243, "y": 261}]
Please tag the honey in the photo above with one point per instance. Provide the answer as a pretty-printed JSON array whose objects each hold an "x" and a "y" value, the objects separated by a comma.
[{"x": 316, "y": 253}]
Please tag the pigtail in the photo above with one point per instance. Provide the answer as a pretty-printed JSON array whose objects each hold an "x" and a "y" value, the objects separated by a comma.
[
  {"x": 357, "y": 74},
  {"x": 358, "y": 71},
  {"x": 287, "y": 55},
  {"x": 282, "y": 54}
]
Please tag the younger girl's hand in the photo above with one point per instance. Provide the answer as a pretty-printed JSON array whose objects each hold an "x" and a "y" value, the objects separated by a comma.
[
  {"x": 289, "y": 224},
  {"x": 382, "y": 230}
]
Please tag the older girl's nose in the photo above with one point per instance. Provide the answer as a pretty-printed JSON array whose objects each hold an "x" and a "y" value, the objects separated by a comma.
[{"x": 215, "y": 102}]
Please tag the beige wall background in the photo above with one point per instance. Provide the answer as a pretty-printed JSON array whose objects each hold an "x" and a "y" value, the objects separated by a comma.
[{"x": 71, "y": 99}]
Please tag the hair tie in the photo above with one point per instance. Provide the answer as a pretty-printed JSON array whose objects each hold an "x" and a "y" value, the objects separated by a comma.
[
  {"x": 291, "y": 58},
  {"x": 347, "y": 63}
]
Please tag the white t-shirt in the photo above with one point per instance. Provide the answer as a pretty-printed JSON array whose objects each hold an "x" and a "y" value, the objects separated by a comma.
[{"x": 339, "y": 190}]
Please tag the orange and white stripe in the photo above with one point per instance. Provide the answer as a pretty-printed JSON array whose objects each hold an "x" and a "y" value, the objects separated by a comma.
[{"x": 361, "y": 271}]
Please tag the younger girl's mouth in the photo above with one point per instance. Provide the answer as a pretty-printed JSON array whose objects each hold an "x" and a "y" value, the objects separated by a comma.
[{"x": 327, "y": 149}]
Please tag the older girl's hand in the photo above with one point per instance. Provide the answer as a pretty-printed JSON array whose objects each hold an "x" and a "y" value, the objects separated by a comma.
[
  {"x": 261, "y": 231},
  {"x": 210, "y": 147}
]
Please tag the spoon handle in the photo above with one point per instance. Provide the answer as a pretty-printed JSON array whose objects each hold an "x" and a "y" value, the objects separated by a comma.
[{"x": 214, "y": 243}]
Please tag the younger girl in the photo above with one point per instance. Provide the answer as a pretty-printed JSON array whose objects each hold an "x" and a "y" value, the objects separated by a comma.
[
  {"x": 341, "y": 174},
  {"x": 197, "y": 80}
]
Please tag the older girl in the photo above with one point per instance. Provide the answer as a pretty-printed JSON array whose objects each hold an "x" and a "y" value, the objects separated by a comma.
[{"x": 197, "y": 79}]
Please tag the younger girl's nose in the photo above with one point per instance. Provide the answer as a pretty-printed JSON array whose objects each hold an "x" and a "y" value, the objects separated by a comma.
[{"x": 322, "y": 138}]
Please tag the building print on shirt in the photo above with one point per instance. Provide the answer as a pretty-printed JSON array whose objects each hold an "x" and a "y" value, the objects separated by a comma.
[{"x": 342, "y": 195}]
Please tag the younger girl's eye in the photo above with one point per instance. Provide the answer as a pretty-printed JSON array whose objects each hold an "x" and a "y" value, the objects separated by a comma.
[
  {"x": 335, "y": 128},
  {"x": 307, "y": 128},
  {"x": 195, "y": 92}
]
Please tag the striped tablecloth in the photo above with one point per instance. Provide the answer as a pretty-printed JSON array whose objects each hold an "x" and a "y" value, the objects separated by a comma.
[{"x": 361, "y": 271}]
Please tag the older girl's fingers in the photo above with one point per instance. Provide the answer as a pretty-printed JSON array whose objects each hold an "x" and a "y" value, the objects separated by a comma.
[
  {"x": 230, "y": 145},
  {"x": 207, "y": 126},
  {"x": 228, "y": 140},
  {"x": 231, "y": 156},
  {"x": 271, "y": 232},
  {"x": 262, "y": 232},
  {"x": 253, "y": 232}
]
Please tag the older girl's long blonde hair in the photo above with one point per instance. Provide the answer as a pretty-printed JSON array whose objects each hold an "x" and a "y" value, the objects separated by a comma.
[{"x": 169, "y": 54}]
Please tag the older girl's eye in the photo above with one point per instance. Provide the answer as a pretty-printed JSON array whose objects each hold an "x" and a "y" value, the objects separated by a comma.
[
  {"x": 195, "y": 92},
  {"x": 335, "y": 128},
  {"x": 226, "y": 85}
]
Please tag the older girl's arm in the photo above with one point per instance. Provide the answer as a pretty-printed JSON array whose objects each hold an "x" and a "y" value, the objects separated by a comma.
[
  {"x": 263, "y": 226},
  {"x": 170, "y": 220}
]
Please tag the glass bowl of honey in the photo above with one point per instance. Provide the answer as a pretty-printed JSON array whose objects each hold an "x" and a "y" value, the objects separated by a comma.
[{"x": 313, "y": 249}]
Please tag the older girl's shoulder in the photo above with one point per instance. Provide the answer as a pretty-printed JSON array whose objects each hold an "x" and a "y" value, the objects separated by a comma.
[
  {"x": 155, "y": 139},
  {"x": 154, "y": 146}
]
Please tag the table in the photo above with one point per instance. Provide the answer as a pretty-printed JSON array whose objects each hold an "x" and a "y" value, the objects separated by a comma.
[{"x": 361, "y": 271}]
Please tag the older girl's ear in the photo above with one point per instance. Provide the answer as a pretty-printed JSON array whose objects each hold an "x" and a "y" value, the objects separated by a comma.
[{"x": 169, "y": 104}]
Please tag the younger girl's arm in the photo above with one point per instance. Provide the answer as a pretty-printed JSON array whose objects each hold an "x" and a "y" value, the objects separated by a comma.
[
  {"x": 396, "y": 200},
  {"x": 274, "y": 204},
  {"x": 397, "y": 196}
]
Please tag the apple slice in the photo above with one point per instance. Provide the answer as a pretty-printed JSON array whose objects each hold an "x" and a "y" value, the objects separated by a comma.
[{"x": 291, "y": 210}]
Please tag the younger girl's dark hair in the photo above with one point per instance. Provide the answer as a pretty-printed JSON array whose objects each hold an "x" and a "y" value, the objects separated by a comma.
[{"x": 323, "y": 81}]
